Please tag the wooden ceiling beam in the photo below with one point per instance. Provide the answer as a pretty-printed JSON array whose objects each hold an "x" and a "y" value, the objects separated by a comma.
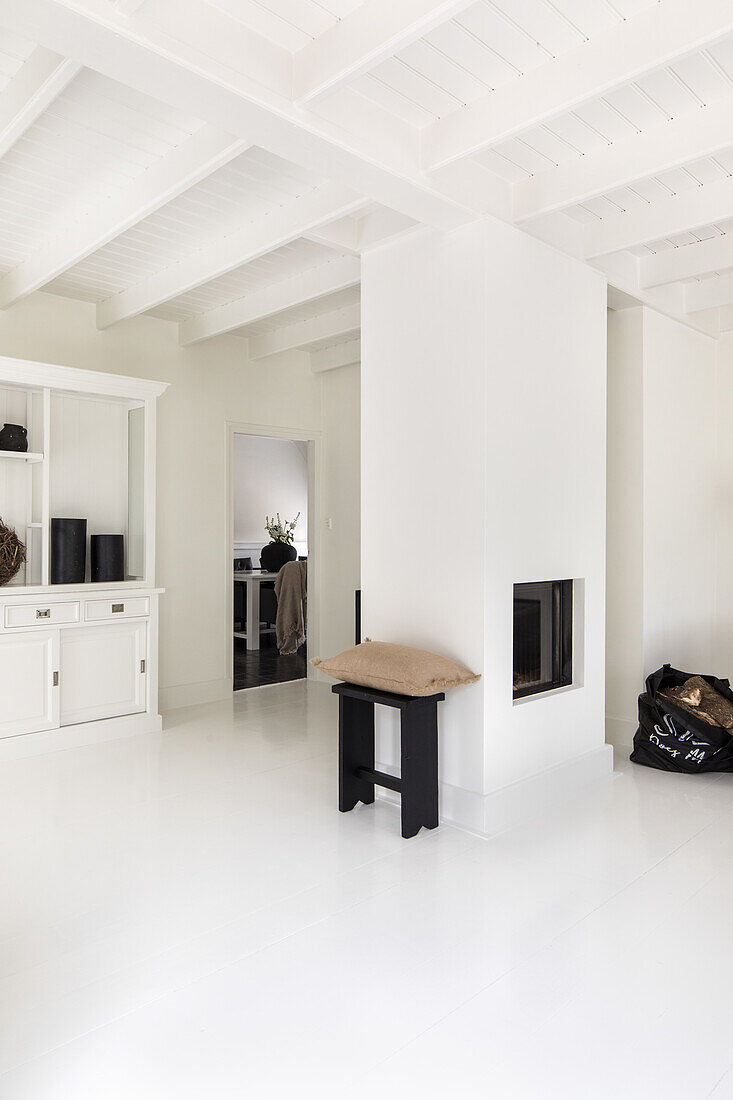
[
  {"x": 347, "y": 354},
  {"x": 40, "y": 79},
  {"x": 163, "y": 181},
  {"x": 215, "y": 68},
  {"x": 252, "y": 241},
  {"x": 304, "y": 288},
  {"x": 334, "y": 326},
  {"x": 363, "y": 39},
  {"x": 699, "y": 133}
]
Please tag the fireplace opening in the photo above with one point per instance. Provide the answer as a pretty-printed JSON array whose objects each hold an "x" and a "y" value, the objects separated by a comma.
[{"x": 543, "y": 637}]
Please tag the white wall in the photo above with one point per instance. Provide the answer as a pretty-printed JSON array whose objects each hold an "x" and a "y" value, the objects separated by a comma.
[
  {"x": 724, "y": 507},
  {"x": 483, "y": 461},
  {"x": 211, "y": 384},
  {"x": 340, "y": 543},
  {"x": 625, "y": 526},
  {"x": 423, "y": 470},
  {"x": 546, "y": 470},
  {"x": 270, "y": 475},
  {"x": 663, "y": 468},
  {"x": 679, "y": 495}
]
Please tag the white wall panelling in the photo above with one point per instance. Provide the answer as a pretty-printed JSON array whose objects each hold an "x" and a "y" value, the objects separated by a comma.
[{"x": 89, "y": 440}]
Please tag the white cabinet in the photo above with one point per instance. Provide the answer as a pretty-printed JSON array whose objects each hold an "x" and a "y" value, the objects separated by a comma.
[
  {"x": 78, "y": 661},
  {"x": 103, "y": 671},
  {"x": 89, "y": 662},
  {"x": 28, "y": 697},
  {"x": 69, "y": 664}
]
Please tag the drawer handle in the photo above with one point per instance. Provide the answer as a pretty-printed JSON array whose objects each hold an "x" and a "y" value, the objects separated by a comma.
[
  {"x": 43, "y": 614},
  {"x": 117, "y": 607}
]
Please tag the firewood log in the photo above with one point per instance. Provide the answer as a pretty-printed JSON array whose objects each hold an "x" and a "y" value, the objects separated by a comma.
[{"x": 699, "y": 698}]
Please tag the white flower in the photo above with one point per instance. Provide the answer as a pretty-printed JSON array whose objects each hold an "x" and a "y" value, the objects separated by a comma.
[{"x": 279, "y": 531}]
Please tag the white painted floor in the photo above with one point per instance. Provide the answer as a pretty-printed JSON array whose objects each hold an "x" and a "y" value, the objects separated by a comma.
[{"x": 187, "y": 915}]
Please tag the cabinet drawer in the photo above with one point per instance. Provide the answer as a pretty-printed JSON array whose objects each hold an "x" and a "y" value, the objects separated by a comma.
[
  {"x": 116, "y": 609},
  {"x": 41, "y": 614}
]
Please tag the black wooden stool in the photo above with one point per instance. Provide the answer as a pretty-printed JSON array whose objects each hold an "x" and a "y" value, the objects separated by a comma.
[{"x": 419, "y": 753}]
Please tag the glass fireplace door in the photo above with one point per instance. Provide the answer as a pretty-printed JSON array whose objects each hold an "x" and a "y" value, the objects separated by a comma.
[{"x": 543, "y": 622}]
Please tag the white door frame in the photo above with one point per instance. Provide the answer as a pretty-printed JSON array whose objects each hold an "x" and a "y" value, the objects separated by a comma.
[{"x": 314, "y": 438}]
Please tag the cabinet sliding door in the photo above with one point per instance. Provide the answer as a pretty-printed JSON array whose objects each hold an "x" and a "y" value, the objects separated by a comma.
[
  {"x": 102, "y": 672},
  {"x": 28, "y": 698}
]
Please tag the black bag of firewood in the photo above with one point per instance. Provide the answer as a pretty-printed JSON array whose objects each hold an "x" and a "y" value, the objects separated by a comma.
[{"x": 685, "y": 723}]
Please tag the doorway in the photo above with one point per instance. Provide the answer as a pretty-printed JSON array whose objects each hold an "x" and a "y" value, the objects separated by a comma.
[{"x": 271, "y": 482}]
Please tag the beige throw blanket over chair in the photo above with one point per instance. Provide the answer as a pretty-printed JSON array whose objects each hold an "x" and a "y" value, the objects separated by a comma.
[{"x": 292, "y": 602}]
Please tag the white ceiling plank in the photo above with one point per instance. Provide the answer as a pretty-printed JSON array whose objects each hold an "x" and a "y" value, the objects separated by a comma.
[
  {"x": 363, "y": 39},
  {"x": 34, "y": 87},
  {"x": 709, "y": 294},
  {"x": 326, "y": 326},
  {"x": 666, "y": 217},
  {"x": 307, "y": 286},
  {"x": 164, "y": 181},
  {"x": 213, "y": 68},
  {"x": 656, "y": 37},
  {"x": 689, "y": 262},
  {"x": 322, "y": 204},
  {"x": 342, "y": 235},
  {"x": 691, "y": 137},
  {"x": 347, "y": 354}
]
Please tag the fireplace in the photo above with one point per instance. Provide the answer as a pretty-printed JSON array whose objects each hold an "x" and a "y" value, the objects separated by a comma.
[{"x": 543, "y": 637}]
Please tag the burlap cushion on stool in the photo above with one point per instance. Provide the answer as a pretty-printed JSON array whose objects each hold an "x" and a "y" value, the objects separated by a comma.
[{"x": 398, "y": 668}]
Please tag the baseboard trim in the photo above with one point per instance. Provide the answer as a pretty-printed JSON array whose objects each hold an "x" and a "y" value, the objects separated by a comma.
[
  {"x": 534, "y": 797},
  {"x": 74, "y": 737},
  {"x": 620, "y": 732},
  {"x": 191, "y": 695},
  {"x": 520, "y": 802}
]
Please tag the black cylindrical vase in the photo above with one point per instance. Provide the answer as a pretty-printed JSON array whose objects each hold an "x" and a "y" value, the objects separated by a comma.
[
  {"x": 107, "y": 558},
  {"x": 68, "y": 551},
  {"x": 274, "y": 556}
]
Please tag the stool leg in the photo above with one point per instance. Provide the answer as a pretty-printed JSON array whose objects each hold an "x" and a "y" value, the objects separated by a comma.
[
  {"x": 419, "y": 768},
  {"x": 356, "y": 750}
]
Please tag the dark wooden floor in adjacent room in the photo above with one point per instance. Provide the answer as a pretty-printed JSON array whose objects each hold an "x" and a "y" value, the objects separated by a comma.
[{"x": 265, "y": 665}]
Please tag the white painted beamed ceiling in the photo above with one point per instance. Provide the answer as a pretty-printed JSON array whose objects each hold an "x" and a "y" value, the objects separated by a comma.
[{"x": 222, "y": 164}]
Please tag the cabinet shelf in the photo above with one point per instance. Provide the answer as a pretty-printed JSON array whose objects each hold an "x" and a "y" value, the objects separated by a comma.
[{"x": 22, "y": 456}]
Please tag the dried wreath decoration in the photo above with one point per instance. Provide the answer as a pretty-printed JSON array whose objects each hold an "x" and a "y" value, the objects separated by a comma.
[{"x": 12, "y": 553}]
